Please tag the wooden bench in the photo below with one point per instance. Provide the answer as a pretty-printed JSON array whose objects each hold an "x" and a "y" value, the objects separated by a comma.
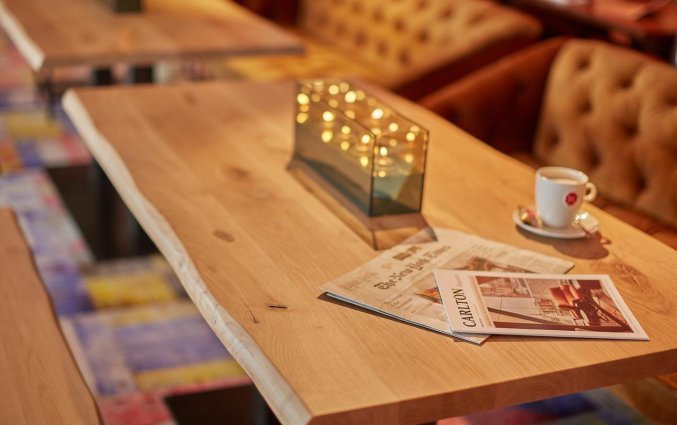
[{"x": 40, "y": 382}]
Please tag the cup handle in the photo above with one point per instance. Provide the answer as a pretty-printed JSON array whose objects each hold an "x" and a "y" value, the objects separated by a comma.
[{"x": 590, "y": 192}]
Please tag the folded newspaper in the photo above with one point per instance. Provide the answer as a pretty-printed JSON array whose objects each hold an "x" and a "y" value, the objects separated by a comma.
[
  {"x": 574, "y": 306},
  {"x": 399, "y": 283}
]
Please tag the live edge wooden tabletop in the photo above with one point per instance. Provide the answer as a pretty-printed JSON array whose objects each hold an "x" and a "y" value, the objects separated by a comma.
[
  {"x": 58, "y": 33},
  {"x": 203, "y": 167},
  {"x": 39, "y": 381}
]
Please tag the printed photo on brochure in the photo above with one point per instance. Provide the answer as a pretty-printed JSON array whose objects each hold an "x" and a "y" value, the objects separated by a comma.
[{"x": 578, "y": 306}]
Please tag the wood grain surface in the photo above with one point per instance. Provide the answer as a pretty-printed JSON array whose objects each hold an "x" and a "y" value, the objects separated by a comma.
[
  {"x": 39, "y": 381},
  {"x": 86, "y": 32},
  {"x": 203, "y": 167}
]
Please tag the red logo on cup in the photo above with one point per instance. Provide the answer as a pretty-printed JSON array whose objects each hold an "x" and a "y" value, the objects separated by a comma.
[{"x": 571, "y": 198}]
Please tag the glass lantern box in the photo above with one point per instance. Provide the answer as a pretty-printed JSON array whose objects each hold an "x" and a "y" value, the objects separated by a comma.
[{"x": 372, "y": 157}]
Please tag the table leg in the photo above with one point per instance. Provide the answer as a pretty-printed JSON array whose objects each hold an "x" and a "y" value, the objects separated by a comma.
[
  {"x": 141, "y": 74},
  {"x": 102, "y": 188},
  {"x": 45, "y": 87},
  {"x": 104, "y": 194},
  {"x": 102, "y": 77},
  {"x": 125, "y": 6},
  {"x": 260, "y": 411},
  {"x": 141, "y": 242},
  {"x": 236, "y": 405}
]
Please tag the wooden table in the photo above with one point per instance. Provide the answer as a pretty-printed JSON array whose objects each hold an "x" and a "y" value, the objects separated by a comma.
[
  {"x": 655, "y": 32},
  {"x": 63, "y": 33},
  {"x": 203, "y": 168},
  {"x": 40, "y": 382}
]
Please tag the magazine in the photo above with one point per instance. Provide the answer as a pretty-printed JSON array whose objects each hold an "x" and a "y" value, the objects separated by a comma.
[
  {"x": 399, "y": 282},
  {"x": 587, "y": 306}
]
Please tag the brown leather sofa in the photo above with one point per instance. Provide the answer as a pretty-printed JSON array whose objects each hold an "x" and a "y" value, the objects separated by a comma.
[
  {"x": 410, "y": 46},
  {"x": 606, "y": 110}
]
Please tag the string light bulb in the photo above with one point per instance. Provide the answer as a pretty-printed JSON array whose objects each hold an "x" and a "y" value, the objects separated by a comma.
[
  {"x": 302, "y": 99},
  {"x": 328, "y": 116}
]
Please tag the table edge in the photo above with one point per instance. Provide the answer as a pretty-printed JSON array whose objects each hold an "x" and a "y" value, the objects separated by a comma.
[
  {"x": 17, "y": 33},
  {"x": 39, "y": 62},
  {"x": 20, "y": 244},
  {"x": 283, "y": 400}
]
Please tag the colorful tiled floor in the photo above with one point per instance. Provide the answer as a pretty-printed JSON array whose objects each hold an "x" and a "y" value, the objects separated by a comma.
[
  {"x": 127, "y": 321},
  {"x": 29, "y": 137},
  {"x": 135, "y": 335}
]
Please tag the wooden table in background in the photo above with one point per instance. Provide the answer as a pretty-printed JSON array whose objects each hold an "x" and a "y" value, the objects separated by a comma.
[
  {"x": 654, "y": 33},
  {"x": 60, "y": 33},
  {"x": 203, "y": 168},
  {"x": 52, "y": 34},
  {"x": 39, "y": 380}
]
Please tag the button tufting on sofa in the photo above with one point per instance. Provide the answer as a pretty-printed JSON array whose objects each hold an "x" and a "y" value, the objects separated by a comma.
[
  {"x": 626, "y": 84},
  {"x": 422, "y": 4},
  {"x": 399, "y": 25},
  {"x": 446, "y": 13},
  {"x": 422, "y": 36}
]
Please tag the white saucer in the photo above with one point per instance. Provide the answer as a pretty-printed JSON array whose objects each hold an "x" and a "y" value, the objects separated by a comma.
[{"x": 571, "y": 232}]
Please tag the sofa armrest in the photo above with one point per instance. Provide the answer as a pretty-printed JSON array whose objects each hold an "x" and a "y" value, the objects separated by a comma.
[{"x": 500, "y": 104}]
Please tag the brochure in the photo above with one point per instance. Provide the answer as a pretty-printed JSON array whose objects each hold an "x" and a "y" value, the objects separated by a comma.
[
  {"x": 575, "y": 306},
  {"x": 399, "y": 283}
]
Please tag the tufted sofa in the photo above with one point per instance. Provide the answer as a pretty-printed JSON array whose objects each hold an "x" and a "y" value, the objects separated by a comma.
[
  {"x": 605, "y": 110},
  {"x": 410, "y": 46}
]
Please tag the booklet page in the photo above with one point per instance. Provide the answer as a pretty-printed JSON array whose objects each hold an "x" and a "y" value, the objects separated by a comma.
[{"x": 583, "y": 306}]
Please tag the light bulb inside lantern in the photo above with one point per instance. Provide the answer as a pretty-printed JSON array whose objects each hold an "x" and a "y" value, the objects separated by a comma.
[
  {"x": 302, "y": 99},
  {"x": 328, "y": 116}
]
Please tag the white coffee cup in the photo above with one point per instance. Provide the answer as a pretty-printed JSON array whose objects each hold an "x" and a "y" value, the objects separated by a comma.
[{"x": 560, "y": 191}]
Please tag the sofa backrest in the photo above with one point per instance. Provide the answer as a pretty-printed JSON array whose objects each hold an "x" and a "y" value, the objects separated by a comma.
[
  {"x": 612, "y": 113},
  {"x": 409, "y": 37}
]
